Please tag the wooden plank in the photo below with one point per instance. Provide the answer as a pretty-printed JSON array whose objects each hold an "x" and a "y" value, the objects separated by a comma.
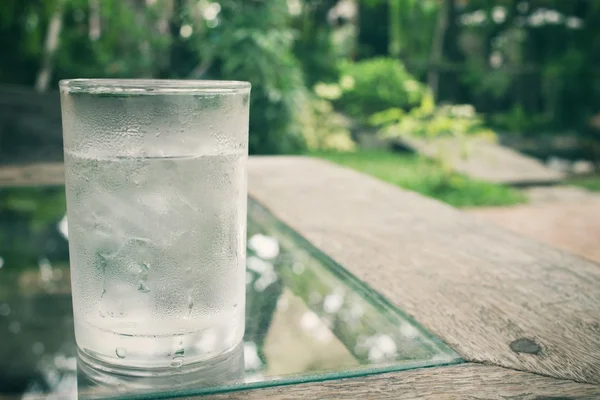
[
  {"x": 32, "y": 174},
  {"x": 488, "y": 161},
  {"x": 466, "y": 381},
  {"x": 495, "y": 297}
]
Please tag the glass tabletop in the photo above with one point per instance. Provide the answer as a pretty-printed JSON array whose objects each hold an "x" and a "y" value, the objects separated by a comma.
[{"x": 307, "y": 318}]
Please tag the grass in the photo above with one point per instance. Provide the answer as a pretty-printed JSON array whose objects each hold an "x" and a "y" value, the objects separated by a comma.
[
  {"x": 588, "y": 182},
  {"x": 426, "y": 177}
]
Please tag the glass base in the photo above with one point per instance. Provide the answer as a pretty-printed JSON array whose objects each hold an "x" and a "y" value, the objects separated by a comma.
[
  {"x": 216, "y": 369},
  {"x": 128, "y": 351}
]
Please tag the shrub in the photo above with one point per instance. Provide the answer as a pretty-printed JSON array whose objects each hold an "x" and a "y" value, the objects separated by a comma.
[
  {"x": 325, "y": 129},
  {"x": 374, "y": 85},
  {"x": 254, "y": 43},
  {"x": 429, "y": 121}
]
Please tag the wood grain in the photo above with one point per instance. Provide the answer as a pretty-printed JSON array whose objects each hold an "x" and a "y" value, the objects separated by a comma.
[
  {"x": 475, "y": 285},
  {"x": 466, "y": 381},
  {"x": 37, "y": 174}
]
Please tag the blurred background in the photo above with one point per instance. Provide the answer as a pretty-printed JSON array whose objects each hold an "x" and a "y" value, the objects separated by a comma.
[
  {"x": 492, "y": 106},
  {"x": 479, "y": 103}
]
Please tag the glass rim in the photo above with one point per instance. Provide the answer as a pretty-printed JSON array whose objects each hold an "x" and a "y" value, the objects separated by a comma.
[{"x": 152, "y": 86}]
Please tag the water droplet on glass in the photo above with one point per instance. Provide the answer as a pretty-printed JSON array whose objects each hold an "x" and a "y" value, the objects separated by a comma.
[
  {"x": 157, "y": 134},
  {"x": 121, "y": 352},
  {"x": 177, "y": 362},
  {"x": 178, "y": 358},
  {"x": 190, "y": 303},
  {"x": 143, "y": 287},
  {"x": 145, "y": 267},
  {"x": 143, "y": 275}
]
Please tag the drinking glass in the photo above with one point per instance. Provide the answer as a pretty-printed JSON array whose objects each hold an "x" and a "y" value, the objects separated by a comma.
[{"x": 156, "y": 190}]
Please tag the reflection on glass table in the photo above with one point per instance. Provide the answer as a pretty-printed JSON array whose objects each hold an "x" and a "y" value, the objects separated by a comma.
[{"x": 307, "y": 319}]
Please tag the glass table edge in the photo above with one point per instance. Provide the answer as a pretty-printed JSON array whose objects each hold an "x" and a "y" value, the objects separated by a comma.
[
  {"x": 315, "y": 378},
  {"x": 361, "y": 287},
  {"x": 358, "y": 285}
]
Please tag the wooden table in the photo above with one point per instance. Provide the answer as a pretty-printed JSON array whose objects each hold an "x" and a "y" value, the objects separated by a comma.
[{"x": 525, "y": 316}]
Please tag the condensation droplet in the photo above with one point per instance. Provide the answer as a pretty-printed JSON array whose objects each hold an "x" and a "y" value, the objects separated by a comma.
[
  {"x": 145, "y": 267},
  {"x": 177, "y": 362},
  {"x": 143, "y": 276},
  {"x": 190, "y": 303},
  {"x": 121, "y": 352},
  {"x": 143, "y": 287},
  {"x": 178, "y": 358}
]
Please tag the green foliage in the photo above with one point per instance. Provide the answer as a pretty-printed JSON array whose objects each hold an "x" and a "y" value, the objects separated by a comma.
[
  {"x": 128, "y": 44},
  {"x": 531, "y": 64},
  {"x": 254, "y": 42},
  {"x": 313, "y": 45},
  {"x": 431, "y": 122},
  {"x": 27, "y": 204},
  {"x": 30, "y": 215},
  {"x": 588, "y": 182},
  {"x": 374, "y": 85},
  {"x": 517, "y": 120},
  {"x": 228, "y": 39},
  {"x": 426, "y": 177},
  {"x": 323, "y": 128}
]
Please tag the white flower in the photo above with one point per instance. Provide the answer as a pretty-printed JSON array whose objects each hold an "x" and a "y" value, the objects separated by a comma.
[
  {"x": 574, "y": 23},
  {"x": 499, "y": 14}
]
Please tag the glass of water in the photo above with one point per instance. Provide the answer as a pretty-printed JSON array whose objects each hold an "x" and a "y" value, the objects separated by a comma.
[{"x": 156, "y": 200}]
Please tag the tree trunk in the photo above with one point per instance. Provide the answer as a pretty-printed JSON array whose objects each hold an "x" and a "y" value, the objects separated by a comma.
[
  {"x": 437, "y": 48},
  {"x": 94, "y": 20},
  {"x": 395, "y": 40},
  {"x": 51, "y": 44}
]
